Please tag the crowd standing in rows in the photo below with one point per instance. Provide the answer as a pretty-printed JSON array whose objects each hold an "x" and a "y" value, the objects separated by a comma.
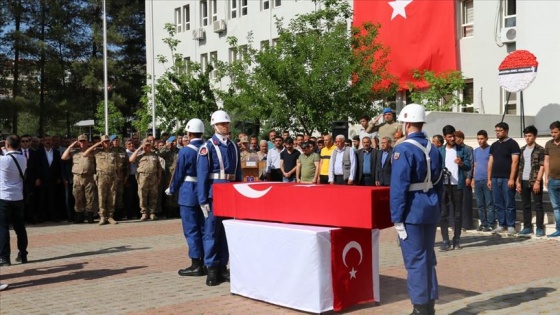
[{"x": 79, "y": 180}]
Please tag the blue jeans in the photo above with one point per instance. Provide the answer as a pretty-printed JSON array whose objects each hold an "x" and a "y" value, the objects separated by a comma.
[
  {"x": 291, "y": 179},
  {"x": 504, "y": 202},
  {"x": 554, "y": 193},
  {"x": 485, "y": 203}
]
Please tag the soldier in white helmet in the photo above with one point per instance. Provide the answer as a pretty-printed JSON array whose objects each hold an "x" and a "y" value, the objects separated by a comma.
[
  {"x": 218, "y": 162},
  {"x": 416, "y": 191},
  {"x": 185, "y": 182}
]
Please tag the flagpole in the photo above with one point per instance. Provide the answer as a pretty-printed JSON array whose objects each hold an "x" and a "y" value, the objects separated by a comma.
[
  {"x": 153, "y": 76},
  {"x": 105, "y": 92}
]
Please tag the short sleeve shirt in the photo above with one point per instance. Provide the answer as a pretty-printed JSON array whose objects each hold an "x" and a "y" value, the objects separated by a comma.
[
  {"x": 553, "y": 151},
  {"x": 308, "y": 167},
  {"x": 501, "y": 152}
]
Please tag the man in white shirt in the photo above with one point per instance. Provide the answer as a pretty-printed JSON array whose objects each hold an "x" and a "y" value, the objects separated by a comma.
[
  {"x": 12, "y": 167},
  {"x": 273, "y": 171}
]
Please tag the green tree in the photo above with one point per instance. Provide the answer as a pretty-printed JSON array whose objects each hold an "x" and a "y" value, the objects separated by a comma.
[
  {"x": 316, "y": 72},
  {"x": 183, "y": 91},
  {"x": 442, "y": 93},
  {"x": 116, "y": 118}
]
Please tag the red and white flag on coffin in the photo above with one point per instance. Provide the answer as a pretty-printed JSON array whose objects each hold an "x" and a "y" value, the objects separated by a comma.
[
  {"x": 352, "y": 273},
  {"x": 419, "y": 33}
]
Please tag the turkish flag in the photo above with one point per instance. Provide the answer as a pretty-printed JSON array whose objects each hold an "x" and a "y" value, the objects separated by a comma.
[
  {"x": 352, "y": 272},
  {"x": 420, "y": 34}
]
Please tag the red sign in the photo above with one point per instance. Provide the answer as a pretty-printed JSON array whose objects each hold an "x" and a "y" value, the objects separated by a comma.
[{"x": 329, "y": 205}]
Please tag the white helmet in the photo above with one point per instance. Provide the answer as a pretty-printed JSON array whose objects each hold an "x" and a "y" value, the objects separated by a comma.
[
  {"x": 195, "y": 125},
  {"x": 219, "y": 116},
  {"x": 413, "y": 113}
]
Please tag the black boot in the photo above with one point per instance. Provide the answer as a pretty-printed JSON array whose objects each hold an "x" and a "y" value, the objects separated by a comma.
[
  {"x": 195, "y": 270},
  {"x": 224, "y": 273},
  {"x": 21, "y": 258},
  {"x": 420, "y": 309},
  {"x": 90, "y": 217},
  {"x": 456, "y": 243},
  {"x": 432, "y": 307},
  {"x": 213, "y": 277},
  {"x": 445, "y": 246},
  {"x": 79, "y": 217}
]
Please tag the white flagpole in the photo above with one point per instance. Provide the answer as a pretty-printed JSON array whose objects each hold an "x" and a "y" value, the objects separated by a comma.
[
  {"x": 153, "y": 75},
  {"x": 106, "y": 94}
]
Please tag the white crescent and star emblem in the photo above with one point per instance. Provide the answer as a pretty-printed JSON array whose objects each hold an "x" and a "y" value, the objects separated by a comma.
[
  {"x": 247, "y": 191},
  {"x": 347, "y": 248},
  {"x": 399, "y": 8}
]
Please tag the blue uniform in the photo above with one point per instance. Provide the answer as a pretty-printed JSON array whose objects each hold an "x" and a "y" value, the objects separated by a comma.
[
  {"x": 185, "y": 182},
  {"x": 210, "y": 171},
  {"x": 419, "y": 210}
]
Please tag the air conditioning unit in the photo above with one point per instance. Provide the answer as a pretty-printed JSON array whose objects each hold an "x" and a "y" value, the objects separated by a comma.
[
  {"x": 198, "y": 34},
  {"x": 508, "y": 35},
  {"x": 219, "y": 26}
]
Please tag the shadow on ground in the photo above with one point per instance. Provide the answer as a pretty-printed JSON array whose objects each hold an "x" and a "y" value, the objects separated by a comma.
[
  {"x": 110, "y": 250},
  {"x": 78, "y": 275},
  {"x": 486, "y": 240},
  {"x": 504, "y": 301}
]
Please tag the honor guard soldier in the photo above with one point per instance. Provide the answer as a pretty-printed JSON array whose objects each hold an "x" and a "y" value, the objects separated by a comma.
[
  {"x": 416, "y": 192},
  {"x": 83, "y": 187},
  {"x": 184, "y": 182},
  {"x": 124, "y": 168},
  {"x": 107, "y": 163},
  {"x": 218, "y": 162},
  {"x": 148, "y": 175}
]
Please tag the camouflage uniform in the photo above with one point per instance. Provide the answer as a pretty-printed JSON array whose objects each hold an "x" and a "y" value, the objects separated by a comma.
[
  {"x": 148, "y": 174},
  {"x": 171, "y": 204},
  {"x": 83, "y": 187},
  {"x": 124, "y": 169},
  {"x": 107, "y": 165}
]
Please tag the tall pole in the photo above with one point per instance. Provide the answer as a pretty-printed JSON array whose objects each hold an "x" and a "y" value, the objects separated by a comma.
[
  {"x": 153, "y": 75},
  {"x": 106, "y": 94}
]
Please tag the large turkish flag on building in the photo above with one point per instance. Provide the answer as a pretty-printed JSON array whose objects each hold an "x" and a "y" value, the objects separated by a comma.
[
  {"x": 419, "y": 33},
  {"x": 352, "y": 272}
]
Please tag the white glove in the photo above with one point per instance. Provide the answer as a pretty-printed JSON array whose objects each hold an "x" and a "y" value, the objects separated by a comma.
[
  {"x": 205, "y": 210},
  {"x": 401, "y": 230},
  {"x": 168, "y": 191}
]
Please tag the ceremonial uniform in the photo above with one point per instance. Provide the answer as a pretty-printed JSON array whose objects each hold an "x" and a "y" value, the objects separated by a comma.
[
  {"x": 148, "y": 175},
  {"x": 185, "y": 182},
  {"x": 415, "y": 201},
  {"x": 214, "y": 167}
]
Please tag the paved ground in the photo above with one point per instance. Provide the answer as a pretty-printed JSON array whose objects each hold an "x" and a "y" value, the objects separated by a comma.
[{"x": 131, "y": 268}]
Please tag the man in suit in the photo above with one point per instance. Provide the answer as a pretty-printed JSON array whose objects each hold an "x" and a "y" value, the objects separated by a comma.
[
  {"x": 30, "y": 177},
  {"x": 49, "y": 177},
  {"x": 384, "y": 164},
  {"x": 367, "y": 160}
]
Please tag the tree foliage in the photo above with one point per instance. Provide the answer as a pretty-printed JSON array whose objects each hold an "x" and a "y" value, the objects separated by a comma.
[
  {"x": 183, "y": 91},
  {"x": 315, "y": 73},
  {"x": 442, "y": 93}
]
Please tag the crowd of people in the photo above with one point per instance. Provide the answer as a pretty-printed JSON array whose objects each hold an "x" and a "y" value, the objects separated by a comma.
[{"x": 81, "y": 179}]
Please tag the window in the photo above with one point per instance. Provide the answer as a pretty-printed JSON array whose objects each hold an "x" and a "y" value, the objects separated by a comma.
[
  {"x": 467, "y": 17},
  {"x": 265, "y": 5},
  {"x": 203, "y": 12},
  {"x": 214, "y": 8},
  {"x": 186, "y": 65},
  {"x": 510, "y": 11},
  {"x": 277, "y": 3},
  {"x": 178, "y": 21},
  {"x": 203, "y": 62},
  {"x": 265, "y": 44},
  {"x": 511, "y": 105},
  {"x": 214, "y": 64},
  {"x": 243, "y": 7},
  {"x": 468, "y": 97},
  {"x": 187, "y": 17},
  {"x": 233, "y": 9},
  {"x": 233, "y": 54},
  {"x": 274, "y": 42}
]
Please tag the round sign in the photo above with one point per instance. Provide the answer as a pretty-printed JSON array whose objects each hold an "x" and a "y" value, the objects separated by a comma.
[{"x": 517, "y": 71}]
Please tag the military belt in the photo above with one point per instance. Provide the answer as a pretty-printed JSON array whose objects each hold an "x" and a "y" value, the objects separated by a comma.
[
  {"x": 230, "y": 177},
  {"x": 190, "y": 179}
]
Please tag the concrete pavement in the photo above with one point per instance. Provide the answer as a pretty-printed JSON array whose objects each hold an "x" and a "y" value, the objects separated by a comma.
[{"x": 131, "y": 268}]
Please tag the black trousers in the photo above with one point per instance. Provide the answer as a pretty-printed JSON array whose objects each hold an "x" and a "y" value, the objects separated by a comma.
[
  {"x": 526, "y": 194},
  {"x": 323, "y": 179},
  {"x": 367, "y": 180},
  {"x": 12, "y": 212},
  {"x": 131, "y": 201},
  {"x": 452, "y": 201}
]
